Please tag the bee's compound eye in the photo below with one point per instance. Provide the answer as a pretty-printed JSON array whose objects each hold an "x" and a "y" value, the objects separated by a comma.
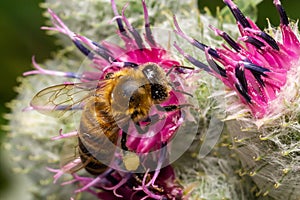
[
  {"x": 158, "y": 92},
  {"x": 109, "y": 75}
]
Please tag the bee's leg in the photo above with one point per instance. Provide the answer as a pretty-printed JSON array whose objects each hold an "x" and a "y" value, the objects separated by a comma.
[
  {"x": 155, "y": 118},
  {"x": 124, "y": 138},
  {"x": 151, "y": 119},
  {"x": 170, "y": 108},
  {"x": 183, "y": 92},
  {"x": 139, "y": 128}
]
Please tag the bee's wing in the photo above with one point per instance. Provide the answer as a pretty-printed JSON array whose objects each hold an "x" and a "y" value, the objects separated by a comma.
[{"x": 58, "y": 99}]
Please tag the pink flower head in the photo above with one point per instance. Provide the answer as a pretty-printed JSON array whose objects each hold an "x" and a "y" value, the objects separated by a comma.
[
  {"x": 255, "y": 66},
  {"x": 148, "y": 139}
]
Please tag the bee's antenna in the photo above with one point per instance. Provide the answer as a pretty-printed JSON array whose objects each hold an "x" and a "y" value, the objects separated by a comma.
[
  {"x": 183, "y": 92},
  {"x": 170, "y": 70},
  {"x": 172, "y": 85}
]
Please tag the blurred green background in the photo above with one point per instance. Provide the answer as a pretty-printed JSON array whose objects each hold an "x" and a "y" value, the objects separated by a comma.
[{"x": 21, "y": 37}]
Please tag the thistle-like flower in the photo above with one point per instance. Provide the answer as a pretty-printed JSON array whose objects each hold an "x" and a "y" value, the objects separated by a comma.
[
  {"x": 130, "y": 109},
  {"x": 261, "y": 71},
  {"x": 257, "y": 70}
]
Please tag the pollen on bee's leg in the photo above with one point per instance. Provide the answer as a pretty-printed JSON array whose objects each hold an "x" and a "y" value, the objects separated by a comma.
[{"x": 131, "y": 161}]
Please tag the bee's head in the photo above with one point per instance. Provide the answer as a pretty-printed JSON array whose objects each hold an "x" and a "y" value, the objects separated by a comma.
[{"x": 158, "y": 82}]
